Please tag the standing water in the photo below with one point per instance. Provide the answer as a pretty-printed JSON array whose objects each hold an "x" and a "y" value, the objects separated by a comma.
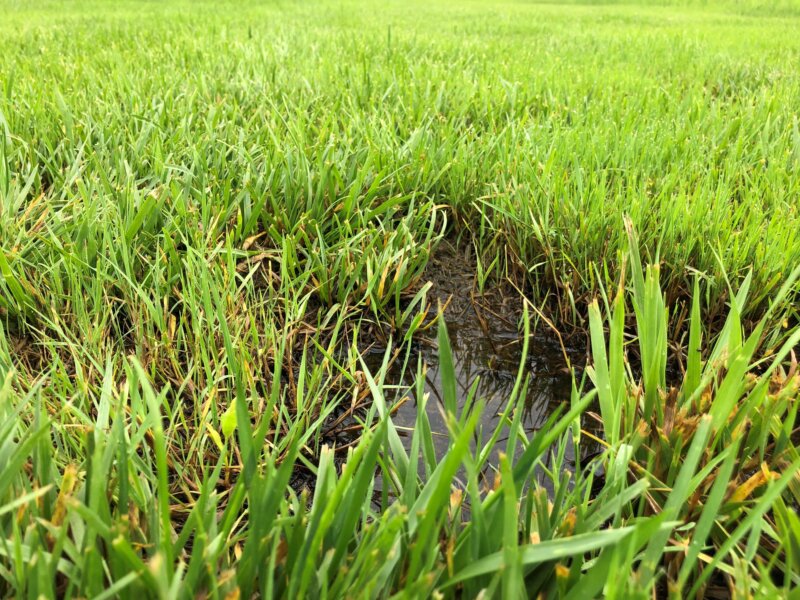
[{"x": 486, "y": 346}]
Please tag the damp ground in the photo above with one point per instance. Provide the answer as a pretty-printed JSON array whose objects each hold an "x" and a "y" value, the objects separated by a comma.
[{"x": 486, "y": 341}]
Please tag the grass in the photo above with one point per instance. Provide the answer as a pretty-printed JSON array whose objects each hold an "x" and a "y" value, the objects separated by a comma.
[
  {"x": 690, "y": 476},
  {"x": 207, "y": 210}
]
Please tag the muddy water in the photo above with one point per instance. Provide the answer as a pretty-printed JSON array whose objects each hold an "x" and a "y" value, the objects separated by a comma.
[{"x": 487, "y": 347}]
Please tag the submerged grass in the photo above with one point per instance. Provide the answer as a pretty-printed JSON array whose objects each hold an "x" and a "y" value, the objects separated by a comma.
[{"x": 207, "y": 211}]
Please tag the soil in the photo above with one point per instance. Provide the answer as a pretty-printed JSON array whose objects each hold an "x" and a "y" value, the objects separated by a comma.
[{"x": 486, "y": 343}]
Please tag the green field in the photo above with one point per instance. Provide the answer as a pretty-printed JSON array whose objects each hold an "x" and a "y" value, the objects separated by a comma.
[{"x": 214, "y": 215}]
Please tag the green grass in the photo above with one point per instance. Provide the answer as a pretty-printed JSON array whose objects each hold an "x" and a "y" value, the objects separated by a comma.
[
  {"x": 207, "y": 210},
  {"x": 540, "y": 125}
]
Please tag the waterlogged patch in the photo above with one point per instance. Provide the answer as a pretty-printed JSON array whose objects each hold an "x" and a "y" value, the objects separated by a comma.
[{"x": 484, "y": 345}]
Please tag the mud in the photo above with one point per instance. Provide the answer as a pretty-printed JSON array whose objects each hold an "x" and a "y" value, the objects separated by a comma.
[{"x": 486, "y": 345}]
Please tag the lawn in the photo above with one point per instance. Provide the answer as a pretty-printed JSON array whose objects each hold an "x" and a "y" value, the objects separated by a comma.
[{"x": 215, "y": 216}]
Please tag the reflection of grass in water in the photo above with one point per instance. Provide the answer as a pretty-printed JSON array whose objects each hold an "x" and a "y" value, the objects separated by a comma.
[{"x": 485, "y": 345}]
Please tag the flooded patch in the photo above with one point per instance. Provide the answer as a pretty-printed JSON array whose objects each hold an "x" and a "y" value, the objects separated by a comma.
[{"x": 486, "y": 345}]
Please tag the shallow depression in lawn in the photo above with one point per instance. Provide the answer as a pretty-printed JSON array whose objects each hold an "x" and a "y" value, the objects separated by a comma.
[{"x": 486, "y": 347}]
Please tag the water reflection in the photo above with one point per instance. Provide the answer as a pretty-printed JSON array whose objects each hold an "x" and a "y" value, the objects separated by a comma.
[
  {"x": 487, "y": 348},
  {"x": 491, "y": 360}
]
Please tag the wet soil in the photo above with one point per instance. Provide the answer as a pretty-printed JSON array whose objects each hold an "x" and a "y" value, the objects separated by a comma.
[{"x": 486, "y": 343}]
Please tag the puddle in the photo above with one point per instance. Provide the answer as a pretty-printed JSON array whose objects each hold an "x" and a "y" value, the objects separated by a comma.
[{"x": 486, "y": 346}]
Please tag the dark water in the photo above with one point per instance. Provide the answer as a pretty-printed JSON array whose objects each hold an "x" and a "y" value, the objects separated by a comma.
[
  {"x": 486, "y": 345},
  {"x": 493, "y": 361}
]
